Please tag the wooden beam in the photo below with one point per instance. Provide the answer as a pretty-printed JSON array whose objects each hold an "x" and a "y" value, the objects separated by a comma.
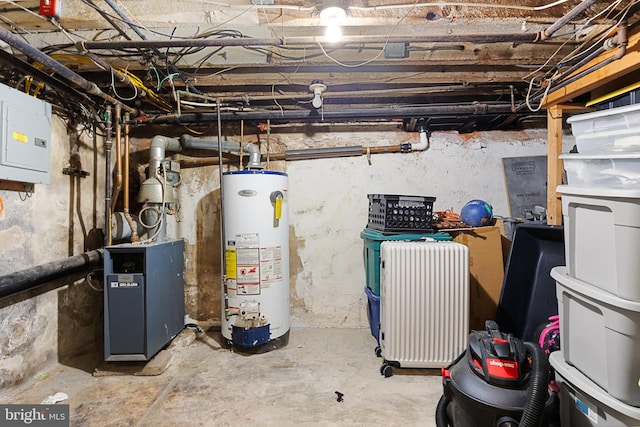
[
  {"x": 615, "y": 70},
  {"x": 554, "y": 164}
]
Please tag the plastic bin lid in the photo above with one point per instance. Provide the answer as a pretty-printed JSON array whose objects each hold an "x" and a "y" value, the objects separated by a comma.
[
  {"x": 580, "y": 382},
  {"x": 559, "y": 274},
  {"x": 606, "y": 192},
  {"x": 372, "y": 234},
  {"x": 600, "y": 156},
  {"x": 604, "y": 113}
]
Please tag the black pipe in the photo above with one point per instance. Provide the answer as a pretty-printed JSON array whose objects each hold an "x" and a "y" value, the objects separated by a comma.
[
  {"x": 328, "y": 115},
  {"x": 47, "y": 61},
  {"x": 51, "y": 81},
  {"x": 538, "y": 387},
  {"x": 35, "y": 276}
]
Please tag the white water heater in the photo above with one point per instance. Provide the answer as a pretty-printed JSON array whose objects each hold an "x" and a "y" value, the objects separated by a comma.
[{"x": 255, "y": 303}]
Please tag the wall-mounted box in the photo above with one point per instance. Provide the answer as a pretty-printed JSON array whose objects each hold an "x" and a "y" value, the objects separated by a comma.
[{"x": 25, "y": 137}]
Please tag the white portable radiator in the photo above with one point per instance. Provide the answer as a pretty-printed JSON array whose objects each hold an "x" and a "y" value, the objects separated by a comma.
[{"x": 424, "y": 303}]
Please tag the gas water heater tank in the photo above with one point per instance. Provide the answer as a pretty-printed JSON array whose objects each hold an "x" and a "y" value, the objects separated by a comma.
[{"x": 255, "y": 303}]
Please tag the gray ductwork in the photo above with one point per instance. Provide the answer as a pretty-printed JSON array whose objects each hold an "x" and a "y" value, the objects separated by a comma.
[
  {"x": 152, "y": 190},
  {"x": 161, "y": 144},
  {"x": 201, "y": 144}
]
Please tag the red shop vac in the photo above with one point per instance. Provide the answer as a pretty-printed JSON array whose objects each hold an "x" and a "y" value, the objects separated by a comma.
[{"x": 499, "y": 381}]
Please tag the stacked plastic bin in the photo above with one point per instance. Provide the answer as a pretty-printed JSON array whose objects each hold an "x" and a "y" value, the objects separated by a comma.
[
  {"x": 392, "y": 217},
  {"x": 598, "y": 366}
]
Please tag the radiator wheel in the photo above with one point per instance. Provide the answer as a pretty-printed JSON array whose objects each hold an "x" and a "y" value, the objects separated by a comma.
[{"x": 386, "y": 370}]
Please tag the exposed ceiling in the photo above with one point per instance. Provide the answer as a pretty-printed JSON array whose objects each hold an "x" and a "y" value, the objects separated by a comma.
[{"x": 466, "y": 66}]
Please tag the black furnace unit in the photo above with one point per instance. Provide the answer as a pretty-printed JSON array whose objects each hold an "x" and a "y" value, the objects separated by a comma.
[{"x": 143, "y": 298}]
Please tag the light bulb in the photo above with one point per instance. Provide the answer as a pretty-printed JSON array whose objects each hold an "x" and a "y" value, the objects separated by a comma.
[
  {"x": 318, "y": 88},
  {"x": 333, "y": 32},
  {"x": 332, "y": 14},
  {"x": 317, "y": 101}
]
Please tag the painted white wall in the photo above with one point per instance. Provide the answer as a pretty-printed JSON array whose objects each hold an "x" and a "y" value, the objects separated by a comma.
[{"x": 328, "y": 204}]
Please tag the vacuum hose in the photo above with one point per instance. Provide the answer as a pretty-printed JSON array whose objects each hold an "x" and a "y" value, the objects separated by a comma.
[
  {"x": 538, "y": 387},
  {"x": 536, "y": 394},
  {"x": 442, "y": 419}
]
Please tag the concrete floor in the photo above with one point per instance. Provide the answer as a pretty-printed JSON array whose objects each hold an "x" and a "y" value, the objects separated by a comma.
[{"x": 208, "y": 385}]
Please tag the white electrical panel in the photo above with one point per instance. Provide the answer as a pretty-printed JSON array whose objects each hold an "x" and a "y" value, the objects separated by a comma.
[{"x": 25, "y": 137}]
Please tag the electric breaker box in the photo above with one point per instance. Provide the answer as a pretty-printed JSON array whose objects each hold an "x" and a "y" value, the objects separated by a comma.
[
  {"x": 25, "y": 137},
  {"x": 143, "y": 298}
]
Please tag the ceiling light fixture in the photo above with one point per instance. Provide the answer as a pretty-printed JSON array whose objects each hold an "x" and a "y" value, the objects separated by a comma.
[
  {"x": 317, "y": 87},
  {"x": 331, "y": 14}
]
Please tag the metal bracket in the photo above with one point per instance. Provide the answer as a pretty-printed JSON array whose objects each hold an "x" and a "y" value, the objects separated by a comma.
[{"x": 75, "y": 172}]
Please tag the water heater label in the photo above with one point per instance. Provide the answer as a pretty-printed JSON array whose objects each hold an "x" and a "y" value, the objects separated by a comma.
[
  {"x": 270, "y": 265},
  {"x": 230, "y": 262},
  {"x": 247, "y": 240},
  {"x": 248, "y": 271},
  {"x": 248, "y": 289}
]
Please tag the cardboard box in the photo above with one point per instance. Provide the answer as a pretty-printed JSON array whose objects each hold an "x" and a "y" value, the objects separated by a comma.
[{"x": 486, "y": 268}]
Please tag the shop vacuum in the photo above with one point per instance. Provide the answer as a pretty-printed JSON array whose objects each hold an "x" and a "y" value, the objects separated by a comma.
[{"x": 499, "y": 381}]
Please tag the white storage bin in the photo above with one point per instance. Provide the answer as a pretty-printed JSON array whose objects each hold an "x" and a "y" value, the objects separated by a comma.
[
  {"x": 583, "y": 403},
  {"x": 603, "y": 170},
  {"x": 607, "y": 131},
  {"x": 602, "y": 237},
  {"x": 599, "y": 336}
]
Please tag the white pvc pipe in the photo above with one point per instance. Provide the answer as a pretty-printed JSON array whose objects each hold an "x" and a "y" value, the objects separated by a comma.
[{"x": 423, "y": 144}]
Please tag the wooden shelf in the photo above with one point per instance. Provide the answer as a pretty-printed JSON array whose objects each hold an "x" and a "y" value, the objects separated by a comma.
[{"x": 614, "y": 75}]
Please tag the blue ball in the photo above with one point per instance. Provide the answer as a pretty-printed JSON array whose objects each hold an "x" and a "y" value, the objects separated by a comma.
[{"x": 476, "y": 213}]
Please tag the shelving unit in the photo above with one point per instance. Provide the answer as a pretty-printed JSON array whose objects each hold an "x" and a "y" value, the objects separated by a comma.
[{"x": 607, "y": 78}]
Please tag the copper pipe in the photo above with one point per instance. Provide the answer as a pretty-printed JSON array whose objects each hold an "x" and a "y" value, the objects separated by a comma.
[
  {"x": 132, "y": 224},
  {"x": 118, "y": 182}
]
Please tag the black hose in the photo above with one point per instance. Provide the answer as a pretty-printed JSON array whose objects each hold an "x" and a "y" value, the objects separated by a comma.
[
  {"x": 442, "y": 419},
  {"x": 538, "y": 387}
]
